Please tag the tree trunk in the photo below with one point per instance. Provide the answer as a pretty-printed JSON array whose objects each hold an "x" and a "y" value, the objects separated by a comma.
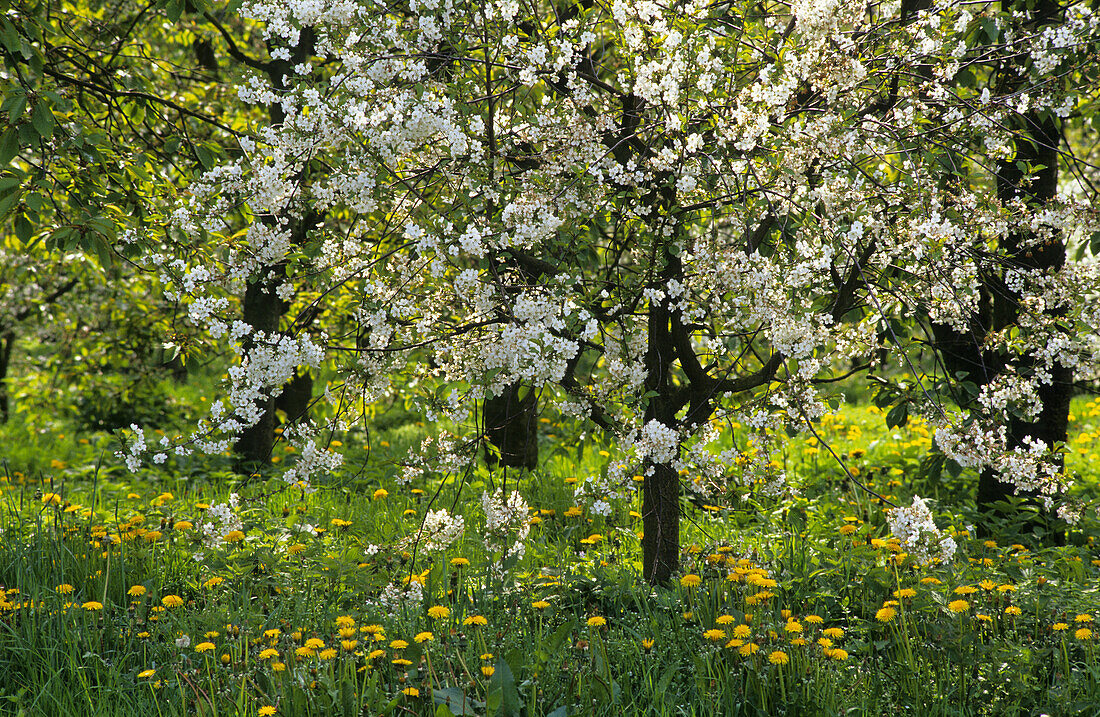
[
  {"x": 262, "y": 310},
  {"x": 661, "y": 485},
  {"x": 511, "y": 424},
  {"x": 7, "y": 345}
]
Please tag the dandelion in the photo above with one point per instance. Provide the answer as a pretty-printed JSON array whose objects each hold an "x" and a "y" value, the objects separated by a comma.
[
  {"x": 957, "y": 606},
  {"x": 327, "y": 654},
  {"x": 647, "y": 644},
  {"x": 296, "y": 549},
  {"x": 183, "y": 525},
  {"x": 714, "y": 635},
  {"x": 1013, "y": 610},
  {"x": 269, "y": 653},
  {"x": 266, "y": 711},
  {"x": 1083, "y": 618},
  {"x": 304, "y": 651},
  {"x": 349, "y": 645},
  {"x": 380, "y": 494},
  {"x": 488, "y": 670},
  {"x": 965, "y": 590},
  {"x": 596, "y": 621},
  {"x": 838, "y": 654},
  {"x": 171, "y": 601},
  {"x": 724, "y": 619},
  {"x": 742, "y": 631},
  {"x": 424, "y": 637},
  {"x": 813, "y": 619},
  {"x": 399, "y": 644},
  {"x": 834, "y": 632},
  {"x": 475, "y": 620},
  {"x": 145, "y": 674},
  {"x": 540, "y": 604},
  {"x": 204, "y": 647},
  {"x": 748, "y": 649},
  {"x": 315, "y": 643},
  {"x": 1059, "y": 627},
  {"x": 213, "y": 582},
  {"x": 886, "y": 614},
  {"x": 931, "y": 581},
  {"x": 278, "y": 666},
  {"x": 92, "y": 605},
  {"x": 459, "y": 562},
  {"x": 778, "y": 658},
  {"x": 438, "y": 612},
  {"x": 904, "y": 593},
  {"x": 793, "y": 626},
  {"x": 136, "y": 590},
  {"x": 375, "y": 654},
  {"x": 1083, "y": 634},
  {"x": 847, "y": 529},
  {"x": 690, "y": 581},
  {"x": 410, "y": 692},
  {"x": 64, "y": 589},
  {"x": 340, "y": 523}
]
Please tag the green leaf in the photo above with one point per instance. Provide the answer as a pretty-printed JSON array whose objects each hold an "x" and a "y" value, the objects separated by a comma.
[
  {"x": 42, "y": 120},
  {"x": 455, "y": 701},
  {"x": 9, "y": 146},
  {"x": 503, "y": 688},
  {"x": 9, "y": 201},
  {"x": 898, "y": 416},
  {"x": 15, "y": 105}
]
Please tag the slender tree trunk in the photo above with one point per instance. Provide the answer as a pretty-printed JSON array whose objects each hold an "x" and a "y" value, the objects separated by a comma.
[
  {"x": 262, "y": 311},
  {"x": 7, "y": 345},
  {"x": 661, "y": 485}
]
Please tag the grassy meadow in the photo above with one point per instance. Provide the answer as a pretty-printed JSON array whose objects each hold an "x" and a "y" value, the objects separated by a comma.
[{"x": 111, "y": 602}]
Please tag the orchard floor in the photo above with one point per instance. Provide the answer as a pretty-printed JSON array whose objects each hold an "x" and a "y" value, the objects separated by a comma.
[{"x": 324, "y": 604}]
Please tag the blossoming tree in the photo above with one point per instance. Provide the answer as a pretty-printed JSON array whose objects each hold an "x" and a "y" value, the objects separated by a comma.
[{"x": 669, "y": 220}]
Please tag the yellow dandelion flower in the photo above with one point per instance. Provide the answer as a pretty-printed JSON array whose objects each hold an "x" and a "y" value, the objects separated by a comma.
[
  {"x": 327, "y": 654},
  {"x": 838, "y": 654},
  {"x": 1084, "y": 617},
  {"x": 213, "y": 582},
  {"x": 459, "y": 562},
  {"x": 399, "y": 644},
  {"x": 64, "y": 588},
  {"x": 778, "y": 658},
  {"x": 204, "y": 647},
  {"x": 410, "y": 692},
  {"x": 278, "y": 666},
  {"x": 266, "y": 711},
  {"x": 145, "y": 674},
  {"x": 540, "y": 604},
  {"x": 1083, "y": 634},
  {"x": 136, "y": 591},
  {"x": 647, "y": 644},
  {"x": 714, "y": 635},
  {"x": 886, "y": 614},
  {"x": 742, "y": 631},
  {"x": 904, "y": 593},
  {"x": 1059, "y": 627},
  {"x": 1012, "y": 610},
  {"x": 295, "y": 549},
  {"x": 92, "y": 605},
  {"x": 349, "y": 645},
  {"x": 834, "y": 632},
  {"x": 965, "y": 590},
  {"x": 381, "y": 493},
  {"x": 315, "y": 643},
  {"x": 813, "y": 619},
  {"x": 724, "y": 619},
  {"x": 749, "y": 648},
  {"x": 596, "y": 621},
  {"x": 957, "y": 606},
  {"x": 439, "y": 612},
  {"x": 171, "y": 601},
  {"x": 345, "y": 621},
  {"x": 847, "y": 529},
  {"x": 691, "y": 581},
  {"x": 424, "y": 637},
  {"x": 931, "y": 581},
  {"x": 475, "y": 620},
  {"x": 233, "y": 536},
  {"x": 488, "y": 670},
  {"x": 269, "y": 653},
  {"x": 183, "y": 525},
  {"x": 304, "y": 651}
]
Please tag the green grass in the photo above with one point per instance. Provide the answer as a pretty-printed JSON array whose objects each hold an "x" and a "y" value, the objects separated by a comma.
[{"x": 786, "y": 570}]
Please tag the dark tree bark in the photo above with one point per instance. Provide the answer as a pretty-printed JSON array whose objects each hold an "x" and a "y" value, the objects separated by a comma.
[
  {"x": 7, "y": 343},
  {"x": 262, "y": 310},
  {"x": 511, "y": 424}
]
